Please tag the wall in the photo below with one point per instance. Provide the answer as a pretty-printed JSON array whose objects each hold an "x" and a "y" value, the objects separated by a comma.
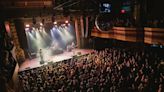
[
  {"x": 146, "y": 35},
  {"x": 154, "y": 35}
]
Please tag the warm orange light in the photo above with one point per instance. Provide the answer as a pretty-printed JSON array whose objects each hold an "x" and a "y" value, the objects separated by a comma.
[
  {"x": 66, "y": 21},
  {"x": 27, "y": 25},
  {"x": 55, "y": 23},
  {"x": 41, "y": 24}
]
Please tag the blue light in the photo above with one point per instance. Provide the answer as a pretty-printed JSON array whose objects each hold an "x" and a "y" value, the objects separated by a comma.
[{"x": 53, "y": 28}]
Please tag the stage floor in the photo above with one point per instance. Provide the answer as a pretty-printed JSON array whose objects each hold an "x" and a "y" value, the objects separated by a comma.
[{"x": 33, "y": 63}]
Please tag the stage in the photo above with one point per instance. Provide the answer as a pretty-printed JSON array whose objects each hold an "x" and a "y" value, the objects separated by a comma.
[{"x": 33, "y": 63}]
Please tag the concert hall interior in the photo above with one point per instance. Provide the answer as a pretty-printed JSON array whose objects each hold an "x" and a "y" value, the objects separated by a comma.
[{"x": 81, "y": 46}]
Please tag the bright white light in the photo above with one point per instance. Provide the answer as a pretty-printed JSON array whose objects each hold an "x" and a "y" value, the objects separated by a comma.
[
  {"x": 33, "y": 28},
  {"x": 27, "y": 25},
  {"x": 41, "y": 24},
  {"x": 66, "y": 21},
  {"x": 62, "y": 25},
  {"x": 53, "y": 28},
  {"x": 26, "y": 29},
  {"x": 40, "y": 28},
  {"x": 45, "y": 63},
  {"x": 55, "y": 23},
  {"x": 38, "y": 37}
]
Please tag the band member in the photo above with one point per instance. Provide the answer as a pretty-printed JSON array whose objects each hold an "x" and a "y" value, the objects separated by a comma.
[
  {"x": 41, "y": 56},
  {"x": 68, "y": 48},
  {"x": 72, "y": 45}
]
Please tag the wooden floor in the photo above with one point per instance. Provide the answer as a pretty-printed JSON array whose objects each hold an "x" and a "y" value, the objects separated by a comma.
[{"x": 33, "y": 63}]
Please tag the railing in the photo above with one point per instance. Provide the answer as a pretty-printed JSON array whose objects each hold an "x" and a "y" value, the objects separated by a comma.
[{"x": 146, "y": 35}]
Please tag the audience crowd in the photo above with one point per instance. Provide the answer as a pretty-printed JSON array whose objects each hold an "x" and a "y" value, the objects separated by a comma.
[
  {"x": 156, "y": 23},
  {"x": 118, "y": 22},
  {"x": 124, "y": 22},
  {"x": 109, "y": 70},
  {"x": 128, "y": 22}
]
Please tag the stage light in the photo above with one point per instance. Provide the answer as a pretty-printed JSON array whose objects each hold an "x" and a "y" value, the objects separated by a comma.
[
  {"x": 45, "y": 63},
  {"x": 53, "y": 28},
  {"x": 26, "y": 29},
  {"x": 27, "y": 25},
  {"x": 55, "y": 22},
  {"x": 41, "y": 24},
  {"x": 123, "y": 11},
  {"x": 33, "y": 28},
  {"x": 40, "y": 28},
  {"x": 63, "y": 25},
  {"x": 66, "y": 21}
]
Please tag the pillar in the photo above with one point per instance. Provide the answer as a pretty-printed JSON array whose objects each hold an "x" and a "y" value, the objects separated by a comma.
[{"x": 77, "y": 32}]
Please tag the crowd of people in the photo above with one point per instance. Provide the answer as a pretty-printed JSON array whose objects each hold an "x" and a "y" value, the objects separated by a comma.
[
  {"x": 116, "y": 22},
  {"x": 109, "y": 70},
  {"x": 124, "y": 22},
  {"x": 156, "y": 23},
  {"x": 129, "y": 22}
]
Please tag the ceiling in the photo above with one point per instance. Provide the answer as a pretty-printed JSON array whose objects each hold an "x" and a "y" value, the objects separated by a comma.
[
  {"x": 25, "y": 8},
  {"x": 32, "y": 8},
  {"x": 29, "y": 8}
]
